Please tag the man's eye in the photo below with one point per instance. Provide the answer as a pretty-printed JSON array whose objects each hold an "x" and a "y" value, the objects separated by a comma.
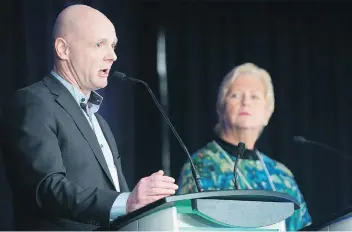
[{"x": 100, "y": 44}]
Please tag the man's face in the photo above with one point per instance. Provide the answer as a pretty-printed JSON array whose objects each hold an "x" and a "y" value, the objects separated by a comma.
[{"x": 91, "y": 54}]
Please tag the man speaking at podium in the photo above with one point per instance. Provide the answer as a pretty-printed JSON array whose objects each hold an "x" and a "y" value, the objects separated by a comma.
[{"x": 61, "y": 157}]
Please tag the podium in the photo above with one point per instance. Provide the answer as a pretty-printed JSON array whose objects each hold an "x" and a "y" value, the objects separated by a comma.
[{"x": 230, "y": 210}]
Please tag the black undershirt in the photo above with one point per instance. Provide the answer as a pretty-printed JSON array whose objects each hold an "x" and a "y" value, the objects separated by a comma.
[{"x": 232, "y": 149}]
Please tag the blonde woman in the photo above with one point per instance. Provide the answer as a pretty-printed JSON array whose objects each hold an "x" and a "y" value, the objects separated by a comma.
[{"x": 245, "y": 104}]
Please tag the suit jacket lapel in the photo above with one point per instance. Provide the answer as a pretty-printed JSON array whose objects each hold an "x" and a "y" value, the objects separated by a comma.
[
  {"x": 66, "y": 100},
  {"x": 112, "y": 144}
]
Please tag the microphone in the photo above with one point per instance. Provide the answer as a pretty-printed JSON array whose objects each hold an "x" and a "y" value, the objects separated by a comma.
[
  {"x": 301, "y": 139},
  {"x": 195, "y": 175},
  {"x": 241, "y": 148}
]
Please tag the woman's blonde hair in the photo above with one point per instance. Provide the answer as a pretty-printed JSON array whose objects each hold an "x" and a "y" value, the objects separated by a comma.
[{"x": 241, "y": 70}]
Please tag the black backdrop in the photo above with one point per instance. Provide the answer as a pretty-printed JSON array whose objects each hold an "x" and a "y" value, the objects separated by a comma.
[{"x": 305, "y": 46}]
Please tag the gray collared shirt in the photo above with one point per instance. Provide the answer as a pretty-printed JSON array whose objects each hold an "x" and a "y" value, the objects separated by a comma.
[{"x": 92, "y": 103}]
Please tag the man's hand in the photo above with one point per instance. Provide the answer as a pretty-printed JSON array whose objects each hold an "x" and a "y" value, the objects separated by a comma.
[{"x": 150, "y": 189}]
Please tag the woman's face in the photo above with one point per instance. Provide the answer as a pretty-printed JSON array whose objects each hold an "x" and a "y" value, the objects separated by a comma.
[{"x": 245, "y": 104}]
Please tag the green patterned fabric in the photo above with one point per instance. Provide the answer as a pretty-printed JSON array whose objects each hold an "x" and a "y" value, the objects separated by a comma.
[{"x": 215, "y": 167}]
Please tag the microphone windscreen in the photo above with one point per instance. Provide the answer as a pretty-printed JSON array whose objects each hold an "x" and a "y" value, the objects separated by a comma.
[
  {"x": 299, "y": 139},
  {"x": 120, "y": 75}
]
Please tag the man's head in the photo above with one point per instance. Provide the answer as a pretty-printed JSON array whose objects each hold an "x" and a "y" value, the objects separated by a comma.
[{"x": 84, "y": 42}]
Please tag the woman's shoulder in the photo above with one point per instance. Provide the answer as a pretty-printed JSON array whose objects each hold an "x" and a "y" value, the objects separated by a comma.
[
  {"x": 209, "y": 158},
  {"x": 276, "y": 166},
  {"x": 209, "y": 149},
  {"x": 209, "y": 152}
]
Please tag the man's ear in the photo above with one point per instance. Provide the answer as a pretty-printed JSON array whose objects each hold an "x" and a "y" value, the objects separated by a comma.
[{"x": 61, "y": 48}]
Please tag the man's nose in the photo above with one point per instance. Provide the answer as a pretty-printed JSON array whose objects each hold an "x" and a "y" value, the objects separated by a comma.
[{"x": 111, "y": 55}]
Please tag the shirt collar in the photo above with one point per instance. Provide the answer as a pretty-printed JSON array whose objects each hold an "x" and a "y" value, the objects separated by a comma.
[
  {"x": 233, "y": 149},
  {"x": 93, "y": 101}
]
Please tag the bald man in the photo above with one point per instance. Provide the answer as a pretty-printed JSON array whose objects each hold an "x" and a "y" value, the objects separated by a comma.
[{"x": 61, "y": 157}]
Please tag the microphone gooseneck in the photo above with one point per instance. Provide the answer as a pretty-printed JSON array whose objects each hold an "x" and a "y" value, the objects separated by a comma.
[
  {"x": 195, "y": 174},
  {"x": 301, "y": 139},
  {"x": 241, "y": 148}
]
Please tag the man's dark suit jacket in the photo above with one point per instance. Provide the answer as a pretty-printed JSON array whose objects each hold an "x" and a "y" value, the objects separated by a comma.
[{"x": 56, "y": 168}]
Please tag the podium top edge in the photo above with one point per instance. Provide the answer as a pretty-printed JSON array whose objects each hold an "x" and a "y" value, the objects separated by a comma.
[{"x": 241, "y": 194}]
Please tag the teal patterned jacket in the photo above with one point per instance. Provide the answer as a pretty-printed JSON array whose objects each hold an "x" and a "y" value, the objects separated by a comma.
[{"x": 215, "y": 167}]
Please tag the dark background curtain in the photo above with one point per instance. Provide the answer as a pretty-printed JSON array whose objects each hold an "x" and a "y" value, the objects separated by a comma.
[{"x": 305, "y": 46}]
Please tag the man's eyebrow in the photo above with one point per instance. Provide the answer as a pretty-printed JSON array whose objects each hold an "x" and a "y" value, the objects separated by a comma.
[{"x": 115, "y": 41}]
